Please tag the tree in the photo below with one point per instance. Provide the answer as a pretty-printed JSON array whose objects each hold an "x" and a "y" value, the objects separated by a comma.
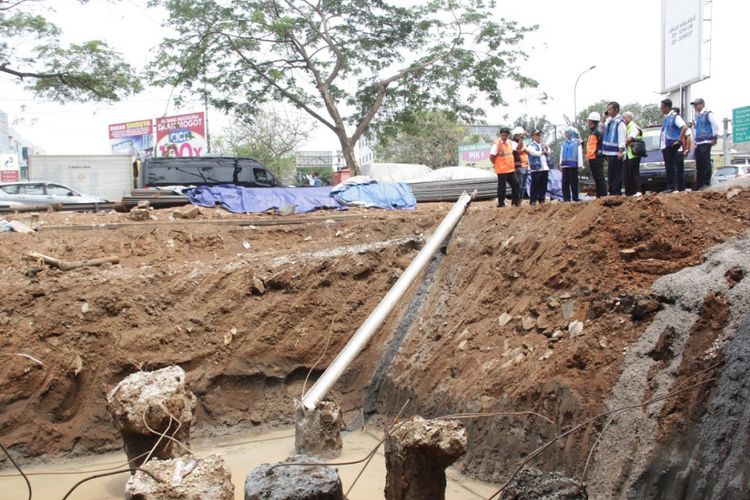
[
  {"x": 269, "y": 137},
  {"x": 347, "y": 63},
  {"x": 645, "y": 114},
  {"x": 90, "y": 71},
  {"x": 430, "y": 138},
  {"x": 531, "y": 123}
]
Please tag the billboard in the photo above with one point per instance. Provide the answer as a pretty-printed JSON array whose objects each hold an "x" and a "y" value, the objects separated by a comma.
[
  {"x": 682, "y": 36},
  {"x": 10, "y": 170},
  {"x": 181, "y": 135},
  {"x": 132, "y": 138},
  {"x": 475, "y": 155}
]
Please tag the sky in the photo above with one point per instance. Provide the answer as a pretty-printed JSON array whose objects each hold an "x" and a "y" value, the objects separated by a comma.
[{"x": 623, "y": 40}]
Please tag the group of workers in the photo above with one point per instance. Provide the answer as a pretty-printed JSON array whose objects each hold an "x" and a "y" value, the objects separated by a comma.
[{"x": 614, "y": 140}]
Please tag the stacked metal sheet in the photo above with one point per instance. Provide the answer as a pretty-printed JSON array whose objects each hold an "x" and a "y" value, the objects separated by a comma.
[{"x": 450, "y": 190}]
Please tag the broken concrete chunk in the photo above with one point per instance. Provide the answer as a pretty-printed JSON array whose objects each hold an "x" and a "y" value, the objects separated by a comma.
[
  {"x": 417, "y": 453},
  {"x": 546, "y": 355},
  {"x": 317, "y": 432},
  {"x": 575, "y": 328},
  {"x": 144, "y": 204},
  {"x": 258, "y": 287},
  {"x": 140, "y": 214},
  {"x": 569, "y": 309},
  {"x": 187, "y": 213},
  {"x": 533, "y": 484},
  {"x": 146, "y": 404},
  {"x": 20, "y": 227},
  {"x": 294, "y": 482},
  {"x": 528, "y": 323},
  {"x": 189, "y": 478},
  {"x": 504, "y": 319},
  {"x": 628, "y": 253}
]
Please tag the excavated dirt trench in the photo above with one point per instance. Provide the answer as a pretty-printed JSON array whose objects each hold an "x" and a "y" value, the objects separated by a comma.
[{"x": 247, "y": 310}]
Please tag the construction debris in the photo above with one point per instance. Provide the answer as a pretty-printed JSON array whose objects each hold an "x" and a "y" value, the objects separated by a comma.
[
  {"x": 186, "y": 478},
  {"x": 317, "y": 432},
  {"x": 294, "y": 482},
  {"x": 533, "y": 484},
  {"x": 68, "y": 265}
]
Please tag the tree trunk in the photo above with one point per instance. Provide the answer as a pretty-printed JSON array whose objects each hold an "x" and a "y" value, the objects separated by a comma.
[{"x": 350, "y": 156}]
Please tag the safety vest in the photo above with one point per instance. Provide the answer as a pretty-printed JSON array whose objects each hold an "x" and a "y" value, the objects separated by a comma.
[
  {"x": 610, "y": 143},
  {"x": 628, "y": 132},
  {"x": 670, "y": 129},
  {"x": 703, "y": 130},
  {"x": 504, "y": 160},
  {"x": 593, "y": 146},
  {"x": 569, "y": 157},
  {"x": 535, "y": 162}
]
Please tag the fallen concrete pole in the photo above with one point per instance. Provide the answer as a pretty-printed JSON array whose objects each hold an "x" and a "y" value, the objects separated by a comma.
[
  {"x": 376, "y": 318},
  {"x": 416, "y": 455}
]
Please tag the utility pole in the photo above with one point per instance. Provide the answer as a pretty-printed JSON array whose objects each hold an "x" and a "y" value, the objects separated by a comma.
[{"x": 725, "y": 142}]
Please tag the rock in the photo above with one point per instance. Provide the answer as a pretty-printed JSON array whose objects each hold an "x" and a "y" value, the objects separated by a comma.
[
  {"x": 557, "y": 335},
  {"x": 190, "y": 478},
  {"x": 553, "y": 303},
  {"x": 317, "y": 432},
  {"x": 144, "y": 204},
  {"x": 462, "y": 345},
  {"x": 732, "y": 193},
  {"x": 546, "y": 355},
  {"x": 187, "y": 213},
  {"x": 155, "y": 400},
  {"x": 569, "y": 309},
  {"x": 140, "y": 214},
  {"x": 603, "y": 343},
  {"x": 20, "y": 227},
  {"x": 504, "y": 319},
  {"x": 287, "y": 209},
  {"x": 258, "y": 287},
  {"x": 417, "y": 453},
  {"x": 528, "y": 323},
  {"x": 565, "y": 296},
  {"x": 543, "y": 323},
  {"x": 533, "y": 484},
  {"x": 294, "y": 482},
  {"x": 613, "y": 201},
  {"x": 628, "y": 253},
  {"x": 575, "y": 328}
]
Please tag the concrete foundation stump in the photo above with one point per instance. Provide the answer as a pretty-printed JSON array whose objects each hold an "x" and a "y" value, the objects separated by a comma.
[
  {"x": 294, "y": 482},
  {"x": 185, "y": 478},
  {"x": 318, "y": 432},
  {"x": 416, "y": 456},
  {"x": 157, "y": 400}
]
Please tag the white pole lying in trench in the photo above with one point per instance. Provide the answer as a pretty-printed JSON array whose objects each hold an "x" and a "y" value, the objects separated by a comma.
[{"x": 376, "y": 318}]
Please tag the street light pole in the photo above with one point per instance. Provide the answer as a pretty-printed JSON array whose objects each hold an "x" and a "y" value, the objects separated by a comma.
[{"x": 575, "y": 87}]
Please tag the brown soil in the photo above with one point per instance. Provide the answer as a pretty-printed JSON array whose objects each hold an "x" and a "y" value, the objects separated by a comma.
[{"x": 247, "y": 324}]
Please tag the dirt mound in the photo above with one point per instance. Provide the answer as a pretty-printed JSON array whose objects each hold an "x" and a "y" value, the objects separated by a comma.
[{"x": 529, "y": 309}]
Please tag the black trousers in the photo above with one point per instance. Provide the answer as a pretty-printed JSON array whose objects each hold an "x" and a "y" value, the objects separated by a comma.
[
  {"x": 570, "y": 183},
  {"x": 631, "y": 178},
  {"x": 515, "y": 191},
  {"x": 522, "y": 174},
  {"x": 597, "y": 172},
  {"x": 674, "y": 163},
  {"x": 614, "y": 175},
  {"x": 703, "y": 169},
  {"x": 539, "y": 181}
]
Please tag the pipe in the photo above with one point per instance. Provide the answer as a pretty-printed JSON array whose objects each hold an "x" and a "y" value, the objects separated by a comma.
[{"x": 376, "y": 318}]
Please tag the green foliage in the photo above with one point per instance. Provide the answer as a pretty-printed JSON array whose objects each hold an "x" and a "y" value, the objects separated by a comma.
[
  {"x": 90, "y": 71},
  {"x": 531, "y": 123},
  {"x": 325, "y": 174},
  {"x": 269, "y": 137},
  {"x": 430, "y": 138},
  {"x": 645, "y": 114},
  {"x": 349, "y": 64}
]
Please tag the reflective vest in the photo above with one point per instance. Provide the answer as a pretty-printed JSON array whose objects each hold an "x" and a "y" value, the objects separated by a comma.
[
  {"x": 569, "y": 156},
  {"x": 594, "y": 145},
  {"x": 628, "y": 132},
  {"x": 504, "y": 160},
  {"x": 610, "y": 143},
  {"x": 535, "y": 162},
  {"x": 703, "y": 130},
  {"x": 670, "y": 129}
]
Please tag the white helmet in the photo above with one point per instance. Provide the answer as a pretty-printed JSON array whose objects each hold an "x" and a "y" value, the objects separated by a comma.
[
  {"x": 594, "y": 116},
  {"x": 517, "y": 131}
]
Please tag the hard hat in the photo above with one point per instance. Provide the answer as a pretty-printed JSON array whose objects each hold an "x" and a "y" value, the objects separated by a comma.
[
  {"x": 518, "y": 131},
  {"x": 594, "y": 116}
]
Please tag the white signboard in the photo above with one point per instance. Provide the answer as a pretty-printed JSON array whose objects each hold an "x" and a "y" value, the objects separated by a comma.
[
  {"x": 9, "y": 168},
  {"x": 682, "y": 22}
]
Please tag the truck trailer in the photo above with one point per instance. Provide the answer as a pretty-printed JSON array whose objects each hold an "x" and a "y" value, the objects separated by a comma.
[{"x": 108, "y": 176}]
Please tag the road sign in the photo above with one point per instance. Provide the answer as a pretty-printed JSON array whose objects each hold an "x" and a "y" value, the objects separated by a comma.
[{"x": 741, "y": 124}]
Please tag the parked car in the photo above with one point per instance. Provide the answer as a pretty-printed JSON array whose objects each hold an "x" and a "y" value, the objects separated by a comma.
[
  {"x": 653, "y": 171},
  {"x": 206, "y": 170},
  {"x": 730, "y": 173},
  {"x": 42, "y": 193}
]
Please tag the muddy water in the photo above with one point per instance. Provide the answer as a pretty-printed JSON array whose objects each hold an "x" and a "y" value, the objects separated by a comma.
[{"x": 241, "y": 455}]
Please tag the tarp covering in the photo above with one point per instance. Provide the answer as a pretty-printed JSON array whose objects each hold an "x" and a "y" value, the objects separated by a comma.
[
  {"x": 390, "y": 196},
  {"x": 254, "y": 200}
]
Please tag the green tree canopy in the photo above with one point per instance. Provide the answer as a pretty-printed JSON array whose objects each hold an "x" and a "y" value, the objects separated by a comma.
[
  {"x": 645, "y": 114},
  {"x": 430, "y": 138},
  {"x": 271, "y": 137},
  {"x": 30, "y": 49},
  {"x": 347, "y": 63}
]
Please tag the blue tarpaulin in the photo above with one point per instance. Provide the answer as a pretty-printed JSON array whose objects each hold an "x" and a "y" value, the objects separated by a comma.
[
  {"x": 390, "y": 196},
  {"x": 254, "y": 200}
]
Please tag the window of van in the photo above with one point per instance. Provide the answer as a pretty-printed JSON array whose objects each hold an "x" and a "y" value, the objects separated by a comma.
[{"x": 262, "y": 177}]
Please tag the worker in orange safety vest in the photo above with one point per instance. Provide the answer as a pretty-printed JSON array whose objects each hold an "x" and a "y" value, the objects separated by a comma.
[{"x": 501, "y": 156}]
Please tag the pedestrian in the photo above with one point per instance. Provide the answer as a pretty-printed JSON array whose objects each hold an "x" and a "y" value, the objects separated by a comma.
[
  {"x": 631, "y": 178},
  {"x": 571, "y": 161},
  {"x": 706, "y": 133},
  {"x": 673, "y": 132},
  {"x": 594, "y": 153},
  {"x": 613, "y": 147},
  {"x": 538, "y": 168},
  {"x": 316, "y": 181},
  {"x": 521, "y": 159},
  {"x": 501, "y": 156}
]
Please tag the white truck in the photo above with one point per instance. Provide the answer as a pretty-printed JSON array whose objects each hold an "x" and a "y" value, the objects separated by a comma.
[{"x": 108, "y": 176}]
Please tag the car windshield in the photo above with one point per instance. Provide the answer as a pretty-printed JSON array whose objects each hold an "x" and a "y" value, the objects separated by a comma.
[
  {"x": 652, "y": 138},
  {"x": 727, "y": 171}
]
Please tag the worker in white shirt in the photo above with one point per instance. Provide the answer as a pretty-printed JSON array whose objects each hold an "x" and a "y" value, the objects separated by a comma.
[
  {"x": 673, "y": 132},
  {"x": 706, "y": 133}
]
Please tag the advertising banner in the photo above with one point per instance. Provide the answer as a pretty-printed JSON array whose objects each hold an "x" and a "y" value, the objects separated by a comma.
[
  {"x": 682, "y": 22},
  {"x": 132, "y": 138},
  {"x": 474, "y": 155},
  {"x": 182, "y": 135},
  {"x": 10, "y": 170}
]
